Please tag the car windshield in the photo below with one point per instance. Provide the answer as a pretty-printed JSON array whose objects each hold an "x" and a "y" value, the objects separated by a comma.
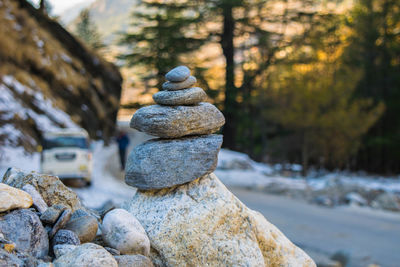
[{"x": 65, "y": 141}]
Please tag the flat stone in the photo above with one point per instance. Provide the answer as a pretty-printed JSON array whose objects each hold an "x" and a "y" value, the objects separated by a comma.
[
  {"x": 51, "y": 215},
  {"x": 202, "y": 223},
  {"x": 174, "y": 86},
  {"x": 13, "y": 198},
  {"x": 24, "y": 228},
  {"x": 160, "y": 163},
  {"x": 190, "y": 96},
  {"x": 178, "y": 121},
  {"x": 85, "y": 227},
  {"x": 122, "y": 231},
  {"x": 133, "y": 261},
  {"x": 87, "y": 255},
  {"x": 61, "y": 222},
  {"x": 65, "y": 237},
  {"x": 38, "y": 201},
  {"x": 178, "y": 74}
]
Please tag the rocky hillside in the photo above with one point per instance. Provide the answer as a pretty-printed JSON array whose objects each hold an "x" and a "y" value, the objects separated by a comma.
[{"x": 45, "y": 74}]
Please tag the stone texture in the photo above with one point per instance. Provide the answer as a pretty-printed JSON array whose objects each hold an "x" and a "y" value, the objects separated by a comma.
[
  {"x": 133, "y": 261},
  {"x": 65, "y": 237},
  {"x": 61, "y": 222},
  {"x": 173, "y": 86},
  {"x": 38, "y": 201},
  {"x": 24, "y": 228},
  {"x": 8, "y": 259},
  {"x": 87, "y": 255},
  {"x": 13, "y": 198},
  {"x": 62, "y": 249},
  {"x": 51, "y": 215},
  {"x": 160, "y": 163},
  {"x": 85, "y": 227},
  {"x": 49, "y": 187},
  {"x": 178, "y": 74},
  {"x": 122, "y": 231},
  {"x": 189, "y": 96},
  {"x": 178, "y": 121},
  {"x": 203, "y": 224}
]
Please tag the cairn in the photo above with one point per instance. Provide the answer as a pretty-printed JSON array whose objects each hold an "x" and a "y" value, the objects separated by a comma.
[{"x": 186, "y": 148}]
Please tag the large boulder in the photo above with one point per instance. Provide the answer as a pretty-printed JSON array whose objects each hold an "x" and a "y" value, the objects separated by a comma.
[
  {"x": 203, "y": 224},
  {"x": 52, "y": 190}
]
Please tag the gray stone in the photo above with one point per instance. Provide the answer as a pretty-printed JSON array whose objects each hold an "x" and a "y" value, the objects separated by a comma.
[
  {"x": 189, "y": 96},
  {"x": 38, "y": 201},
  {"x": 65, "y": 237},
  {"x": 51, "y": 215},
  {"x": 79, "y": 213},
  {"x": 178, "y": 121},
  {"x": 133, "y": 261},
  {"x": 60, "y": 250},
  {"x": 202, "y": 223},
  {"x": 178, "y": 74},
  {"x": 174, "y": 86},
  {"x": 85, "y": 227},
  {"x": 61, "y": 222},
  {"x": 387, "y": 201},
  {"x": 8, "y": 259},
  {"x": 160, "y": 163},
  {"x": 122, "y": 231},
  {"x": 24, "y": 228},
  {"x": 87, "y": 255},
  {"x": 113, "y": 251}
]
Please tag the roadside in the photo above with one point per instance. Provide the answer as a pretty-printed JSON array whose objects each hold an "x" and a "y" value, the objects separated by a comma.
[{"x": 367, "y": 236}]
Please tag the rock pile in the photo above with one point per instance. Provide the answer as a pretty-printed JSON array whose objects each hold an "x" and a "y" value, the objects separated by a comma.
[
  {"x": 42, "y": 223},
  {"x": 190, "y": 217},
  {"x": 187, "y": 148}
]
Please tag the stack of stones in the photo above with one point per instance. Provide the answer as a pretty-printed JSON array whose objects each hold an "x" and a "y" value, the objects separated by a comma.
[{"x": 186, "y": 148}]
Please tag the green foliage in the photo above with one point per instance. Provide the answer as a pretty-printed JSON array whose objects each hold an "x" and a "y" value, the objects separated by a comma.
[
  {"x": 374, "y": 49},
  {"x": 162, "y": 33},
  {"x": 87, "y": 30}
]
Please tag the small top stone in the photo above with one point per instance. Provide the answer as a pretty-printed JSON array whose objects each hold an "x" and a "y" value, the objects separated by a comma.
[{"x": 178, "y": 74}]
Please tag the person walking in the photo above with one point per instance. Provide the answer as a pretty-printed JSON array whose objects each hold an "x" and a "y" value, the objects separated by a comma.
[{"x": 123, "y": 143}]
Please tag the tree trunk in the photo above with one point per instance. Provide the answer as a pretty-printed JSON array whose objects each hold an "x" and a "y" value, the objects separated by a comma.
[
  {"x": 42, "y": 6},
  {"x": 230, "y": 105}
]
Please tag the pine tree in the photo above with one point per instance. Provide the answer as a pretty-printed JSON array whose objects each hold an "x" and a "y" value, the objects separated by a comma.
[
  {"x": 87, "y": 30},
  {"x": 375, "y": 48},
  {"x": 162, "y": 33}
]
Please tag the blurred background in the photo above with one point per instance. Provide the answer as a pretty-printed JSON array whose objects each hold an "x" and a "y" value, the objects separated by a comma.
[{"x": 310, "y": 90}]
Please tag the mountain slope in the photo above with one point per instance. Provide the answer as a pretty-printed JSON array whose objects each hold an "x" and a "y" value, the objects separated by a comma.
[
  {"x": 48, "y": 80},
  {"x": 110, "y": 16}
]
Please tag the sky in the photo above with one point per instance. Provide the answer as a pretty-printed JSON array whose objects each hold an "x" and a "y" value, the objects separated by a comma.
[{"x": 60, "y": 6}]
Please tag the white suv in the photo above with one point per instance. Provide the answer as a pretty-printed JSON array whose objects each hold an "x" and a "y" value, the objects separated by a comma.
[{"x": 66, "y": 153}]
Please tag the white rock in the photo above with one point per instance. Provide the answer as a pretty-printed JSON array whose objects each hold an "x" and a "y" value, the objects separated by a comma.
[
  {"x": 122, "y": 231},
  {"x": 13, "y": 198},
  {"x": 203, "y": 224},
  {"x": 87, "y": 255}
]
